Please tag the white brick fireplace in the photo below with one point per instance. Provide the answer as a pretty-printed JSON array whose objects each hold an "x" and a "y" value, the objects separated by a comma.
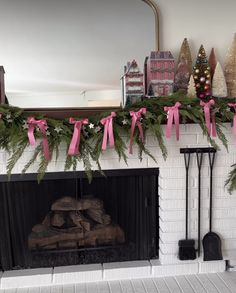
[{"x": 171, "y": 213}]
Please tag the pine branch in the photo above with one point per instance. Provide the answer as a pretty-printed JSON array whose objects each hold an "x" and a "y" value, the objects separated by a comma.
[
  {"x": 231, "y": 180},
  {"x": 33, "y": 158},
  {"x": 142, "y": 149},
  {"x": 16, "y": 156},
  {"x": 68, "y": 163},
  {"x": 42, "y": 167},
  {"x": 221, "y": 136},
  {"x": 158, "y": 132},
  {"x": 120, "y": 146}
]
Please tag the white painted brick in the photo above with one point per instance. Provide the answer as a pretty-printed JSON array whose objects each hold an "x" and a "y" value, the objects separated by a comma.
[
  {"x": 219, "y": 225},
  {"x": 32, "y": 169},
  {"x": 77, "y": 274},
  {"x": 169, "y": 258},
  {"x": 1, "y": 273},
  {"x": 116, "y": 164},
  {"x": 228, "y": 244},
  {"x": 173, "y": 270},
  {"x": 3, "y": 157},
  {"x": 175, "y": 204},
  {"x": 230, "y": 254},
  {"x": 56, "y": 166},
  {"x": 227, "y": 234},
  {"x": 166, "y": 194},
  {"x": 184, "y": 140},
  {"x": 172, "y": 172},
  {"x": 229, "y": 202},
  {"x": 221, "y": 171},
  {"x": 176, "y": 161},
  {"x": 174, "y": 226},
  {"x": 224, "y": 213},
  {"x": 225, "y": 161},
  {"x": 127, "y": 270},
  {"x": 170, "y": 237},
  {"x": 175, "y": 183},
  {"x": 212, "y": 267},
  {"x": 202, "y": 140},
  {"x": 26, "y": 278},
  {"x": 193, "y": 128},
  {"x": 179, "y": 215},
  {"x": 168, "y": 248},
  {"x": 181, "y": 173},
  {"x": 174, "y": 237}
]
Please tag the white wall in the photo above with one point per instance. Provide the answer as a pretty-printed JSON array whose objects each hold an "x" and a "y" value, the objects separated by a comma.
[{"x": 211, "y": 23}]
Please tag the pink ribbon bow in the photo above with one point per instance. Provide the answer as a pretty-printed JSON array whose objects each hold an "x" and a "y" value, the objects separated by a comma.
[
  {"x": 173, "y": 117},
  {"x": 42, "y": 124},
  {"x": 136, "y": 116},
  {"x": 234, "y": 123},
  {"x": 75, "y": 141},
  {"x": 209, "y": 117},
  {"x": 108, "y": 130}
]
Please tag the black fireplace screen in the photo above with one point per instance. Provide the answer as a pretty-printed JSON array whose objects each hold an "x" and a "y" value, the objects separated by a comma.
[{"x": 66, "y": 220}]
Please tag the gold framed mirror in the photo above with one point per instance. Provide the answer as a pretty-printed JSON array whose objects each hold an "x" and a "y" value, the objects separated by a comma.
[{"x": 28, "y": 79}]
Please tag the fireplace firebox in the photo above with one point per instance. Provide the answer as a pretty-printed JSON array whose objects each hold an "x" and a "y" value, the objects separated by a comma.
[{"x": 66, "y": 220}]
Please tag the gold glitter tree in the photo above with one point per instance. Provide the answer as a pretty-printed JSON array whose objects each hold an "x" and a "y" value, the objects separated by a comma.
[
  {"x": 182, "y": 76},
  {"x": 212, "y": 62},
  {"x": 230, "y": 69},
  {"x": 202, "y": 75},
  {"x": 185, "y": 53}
]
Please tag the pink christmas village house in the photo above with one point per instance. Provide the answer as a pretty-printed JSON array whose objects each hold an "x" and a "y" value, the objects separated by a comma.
[
  {"x": 133, "y": 83},
  {"x": 160, "y": 73}
]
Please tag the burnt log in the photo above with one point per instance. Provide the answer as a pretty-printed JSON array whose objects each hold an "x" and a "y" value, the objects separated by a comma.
[
  {"x": 51, "y": 236},
  {"x": 71, "y": 204},
  {"x": 110, "y": 234},
  {"x": 101, "y": 234},
  {"x": 39, "y": 228},
  {"x": 47, "y": 220},
  {"x": 80, "y": 220},
  {"x": 99, "y": 216},
  {"x": 57, "y": 219}
]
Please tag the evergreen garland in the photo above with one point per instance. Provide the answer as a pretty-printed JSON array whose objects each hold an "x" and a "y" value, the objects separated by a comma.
[{"x": 14, "y": 139}]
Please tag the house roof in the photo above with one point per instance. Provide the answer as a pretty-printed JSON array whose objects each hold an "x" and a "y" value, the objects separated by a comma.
[
  {"x": 161, "y": 55},
  {"x": 131, "y": 65}
]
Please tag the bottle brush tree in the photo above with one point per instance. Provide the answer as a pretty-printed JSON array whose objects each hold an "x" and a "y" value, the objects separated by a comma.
[{"x": 202, "y": 75}]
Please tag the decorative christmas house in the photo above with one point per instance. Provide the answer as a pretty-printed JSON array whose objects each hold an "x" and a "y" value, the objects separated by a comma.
[
  {"x": 133, "y": 83},
  {"x": 160, "y": 73}
]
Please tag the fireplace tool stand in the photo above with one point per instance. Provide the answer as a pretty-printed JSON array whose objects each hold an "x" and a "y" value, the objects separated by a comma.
[{"x": 187, "y": 249}]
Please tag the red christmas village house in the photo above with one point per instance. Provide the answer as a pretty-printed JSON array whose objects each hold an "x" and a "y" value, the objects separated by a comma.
[
  {"x": 133, "y": 83},
  {"x": 160, "y": 73}
]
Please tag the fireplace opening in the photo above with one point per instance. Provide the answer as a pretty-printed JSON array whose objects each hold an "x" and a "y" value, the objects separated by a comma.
[{"x": 65, "y": 220}]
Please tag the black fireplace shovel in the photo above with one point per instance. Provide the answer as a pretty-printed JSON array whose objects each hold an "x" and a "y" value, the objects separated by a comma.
[
  {"x": 211, "y": 241},
  {"x": 187, "y": 249}
]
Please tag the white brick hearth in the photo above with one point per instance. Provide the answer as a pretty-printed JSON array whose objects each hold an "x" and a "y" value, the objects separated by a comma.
[{"x": 172, "y": 204}]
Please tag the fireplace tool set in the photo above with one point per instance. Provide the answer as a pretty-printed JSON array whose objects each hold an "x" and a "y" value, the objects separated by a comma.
[{"x": 211, "y": 241}]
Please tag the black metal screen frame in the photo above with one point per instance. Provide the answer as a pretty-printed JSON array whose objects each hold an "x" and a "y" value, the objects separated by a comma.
[{"x": 6, "y": 241}]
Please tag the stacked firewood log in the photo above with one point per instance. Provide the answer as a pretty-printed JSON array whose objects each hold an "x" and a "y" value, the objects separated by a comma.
[{"x": 73, "y": 223}]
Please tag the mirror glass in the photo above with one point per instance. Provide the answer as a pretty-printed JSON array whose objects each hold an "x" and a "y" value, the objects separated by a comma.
[{"x": 71, "y": 53}]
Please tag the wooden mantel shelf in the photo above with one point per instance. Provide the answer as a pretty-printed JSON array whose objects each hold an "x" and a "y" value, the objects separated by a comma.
[{"x": 62, "y": 113}]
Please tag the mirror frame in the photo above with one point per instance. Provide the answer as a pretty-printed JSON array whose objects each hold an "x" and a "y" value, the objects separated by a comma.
[{"x": 61, "y": 113}]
